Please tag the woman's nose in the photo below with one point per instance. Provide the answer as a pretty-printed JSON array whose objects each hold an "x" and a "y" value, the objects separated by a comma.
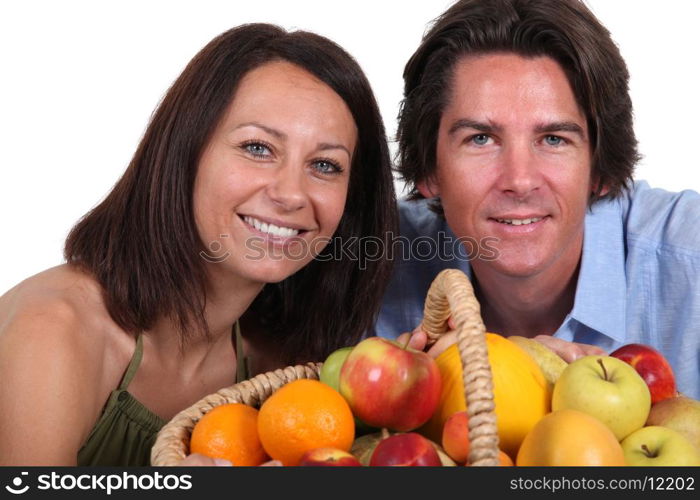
[{"x": 287, "y": 189}]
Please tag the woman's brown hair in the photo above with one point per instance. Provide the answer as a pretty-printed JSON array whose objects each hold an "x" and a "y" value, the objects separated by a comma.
[{"x": 142, "y": 245}]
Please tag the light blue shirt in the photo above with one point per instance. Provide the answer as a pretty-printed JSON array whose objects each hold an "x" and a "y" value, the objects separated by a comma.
[{"x": 639, "y": 280}]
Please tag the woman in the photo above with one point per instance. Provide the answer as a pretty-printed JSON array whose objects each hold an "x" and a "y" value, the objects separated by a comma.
[{"x": 266, "y": 154}]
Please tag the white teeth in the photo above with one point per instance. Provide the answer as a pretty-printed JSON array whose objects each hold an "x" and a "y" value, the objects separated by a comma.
[
  {"x": 519, "y": 222},
  {"x": 284, "y": 232}
]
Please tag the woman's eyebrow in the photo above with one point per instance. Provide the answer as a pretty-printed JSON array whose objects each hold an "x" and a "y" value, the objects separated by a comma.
[
  {"x": 325, "y": 146},
  {"x": 277, "y": 133}
]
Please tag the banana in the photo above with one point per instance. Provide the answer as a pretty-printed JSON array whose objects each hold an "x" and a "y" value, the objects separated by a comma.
[{"x": 550, "y": 363}]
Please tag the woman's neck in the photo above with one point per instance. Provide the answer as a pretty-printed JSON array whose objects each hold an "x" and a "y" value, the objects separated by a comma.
[{"x": 226, "y": 301}]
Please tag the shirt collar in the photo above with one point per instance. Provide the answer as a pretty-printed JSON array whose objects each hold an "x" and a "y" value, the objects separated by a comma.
[{"x": 600, "y": 301}]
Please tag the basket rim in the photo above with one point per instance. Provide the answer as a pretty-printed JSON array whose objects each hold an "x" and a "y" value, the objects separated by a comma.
[{"x": 450, "y": 294}]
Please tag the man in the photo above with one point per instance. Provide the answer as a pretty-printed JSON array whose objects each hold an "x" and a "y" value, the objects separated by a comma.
[{"x": 516, "y": 136}]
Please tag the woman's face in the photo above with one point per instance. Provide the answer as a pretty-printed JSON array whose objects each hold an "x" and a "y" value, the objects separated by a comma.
[{"x": 271, "y": 184}]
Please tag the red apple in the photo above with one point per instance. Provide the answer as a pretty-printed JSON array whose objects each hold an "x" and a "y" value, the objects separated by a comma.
[
  {"x": 652, "y": 367},
  {"x": 405, "y": 450},
  {"x": 389, "y": 385},
  {"x": 328, "y": 457}
]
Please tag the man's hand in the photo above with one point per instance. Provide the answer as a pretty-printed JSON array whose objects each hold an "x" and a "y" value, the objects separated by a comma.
[
  {"x": 569, "y": 351},
  {"x": 418, "y": 339}
]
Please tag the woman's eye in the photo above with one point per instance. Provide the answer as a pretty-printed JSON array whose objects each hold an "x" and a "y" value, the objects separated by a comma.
[
  {"x": 553, "y": 140},
  {"x": 257, "y": 149},
  {"x": 480, "y": 139},
  {"x": 327, "y": 167}
]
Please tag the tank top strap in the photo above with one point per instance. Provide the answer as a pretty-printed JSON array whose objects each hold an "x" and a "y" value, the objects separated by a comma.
[
  {"x": 133, "y": 364},
  {"x": 241, "y": 360}
]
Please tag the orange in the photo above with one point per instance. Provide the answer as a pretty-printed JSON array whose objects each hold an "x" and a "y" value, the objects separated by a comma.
[
  {"x": 570, "y": 438},
  {"x": 229, "y": 431},
  {"x": 303, "y": 415},
  {"x": 504, "y": 459},
  {"x": 455, "y": 437}
]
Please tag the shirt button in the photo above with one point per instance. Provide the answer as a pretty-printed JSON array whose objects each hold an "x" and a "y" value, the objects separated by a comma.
[{"x": 122, "y": 396}]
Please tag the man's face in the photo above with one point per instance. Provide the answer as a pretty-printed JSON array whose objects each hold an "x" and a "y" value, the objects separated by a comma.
[{"x": 514, "y": 163}]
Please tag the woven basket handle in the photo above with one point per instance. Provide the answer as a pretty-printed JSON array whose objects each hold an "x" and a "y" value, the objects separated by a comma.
[{"x": 451, "y": 294}]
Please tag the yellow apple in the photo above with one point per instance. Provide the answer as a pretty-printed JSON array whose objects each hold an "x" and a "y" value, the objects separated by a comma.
[
  {"x": 659, "y": 446},
  {"x": 605, "y": 388}
]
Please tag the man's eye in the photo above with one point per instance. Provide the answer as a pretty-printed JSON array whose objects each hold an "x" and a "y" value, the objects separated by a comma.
[
  {"x": 480, "y": 139},
  {"x": 553, "y": 140}
]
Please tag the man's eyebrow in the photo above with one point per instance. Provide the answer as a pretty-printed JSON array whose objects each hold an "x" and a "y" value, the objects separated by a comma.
[
  {"x": 488, "y": 128},
  {"x": 269, "y": 130},
  {"x": 561, "y": 127},
  {"x": 476, "y": 125}
]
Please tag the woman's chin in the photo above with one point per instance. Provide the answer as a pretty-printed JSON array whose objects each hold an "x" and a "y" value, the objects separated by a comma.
[{"x": 273, "y": 272}]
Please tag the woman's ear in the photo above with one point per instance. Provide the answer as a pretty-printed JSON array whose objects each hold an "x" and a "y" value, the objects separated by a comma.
[{"x": 428, "y": 188}]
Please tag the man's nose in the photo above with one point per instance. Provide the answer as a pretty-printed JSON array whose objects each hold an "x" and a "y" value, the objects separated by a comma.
[
  {"x": 520, "y": 172},
  {"x": 287, "y": 189}
]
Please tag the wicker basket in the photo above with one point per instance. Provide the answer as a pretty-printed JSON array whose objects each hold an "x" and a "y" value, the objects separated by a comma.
[{"x": 451, "y": 293}]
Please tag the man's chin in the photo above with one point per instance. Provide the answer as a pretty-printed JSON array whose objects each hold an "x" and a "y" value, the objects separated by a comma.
[{"x": 511, "y": 268}]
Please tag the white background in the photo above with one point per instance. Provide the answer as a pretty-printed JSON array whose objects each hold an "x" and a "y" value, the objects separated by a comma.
[{"x": 79, "y": 80}]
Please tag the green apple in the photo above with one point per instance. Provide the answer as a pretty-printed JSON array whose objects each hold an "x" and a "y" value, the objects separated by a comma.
[
  {"x": 680, "y": 413},
  {"x": 606, "y": 388},
  {"x": 659, "y": 446},
  {"x": 330, "y": 374},
  {"x": 330, "y": 371}
]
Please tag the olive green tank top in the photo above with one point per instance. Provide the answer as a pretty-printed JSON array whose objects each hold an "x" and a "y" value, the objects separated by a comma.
[{"x": 126, "y": 430}]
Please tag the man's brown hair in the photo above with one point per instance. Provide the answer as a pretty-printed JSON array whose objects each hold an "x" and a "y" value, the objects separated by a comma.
[{"x": 564, "y": 30}]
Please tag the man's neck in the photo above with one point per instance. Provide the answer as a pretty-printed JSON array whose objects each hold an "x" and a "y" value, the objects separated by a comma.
[{"x": 527, "y": 306}]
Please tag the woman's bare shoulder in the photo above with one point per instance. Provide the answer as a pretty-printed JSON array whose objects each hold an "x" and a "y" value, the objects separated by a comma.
[
  {"x": 56, "y": 285},
  {"x": 58, "y": 344},
  {"x": 62, "y": 293},
  {"x": 64, "y": 305}
]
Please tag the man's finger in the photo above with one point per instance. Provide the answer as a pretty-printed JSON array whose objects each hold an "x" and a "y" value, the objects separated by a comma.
[
  {"x": 568, "y": 351},
  {"x": 404, "y": 338},
  {"x": 442, "y": 343},
  {"x": 418, "y": 340}
]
